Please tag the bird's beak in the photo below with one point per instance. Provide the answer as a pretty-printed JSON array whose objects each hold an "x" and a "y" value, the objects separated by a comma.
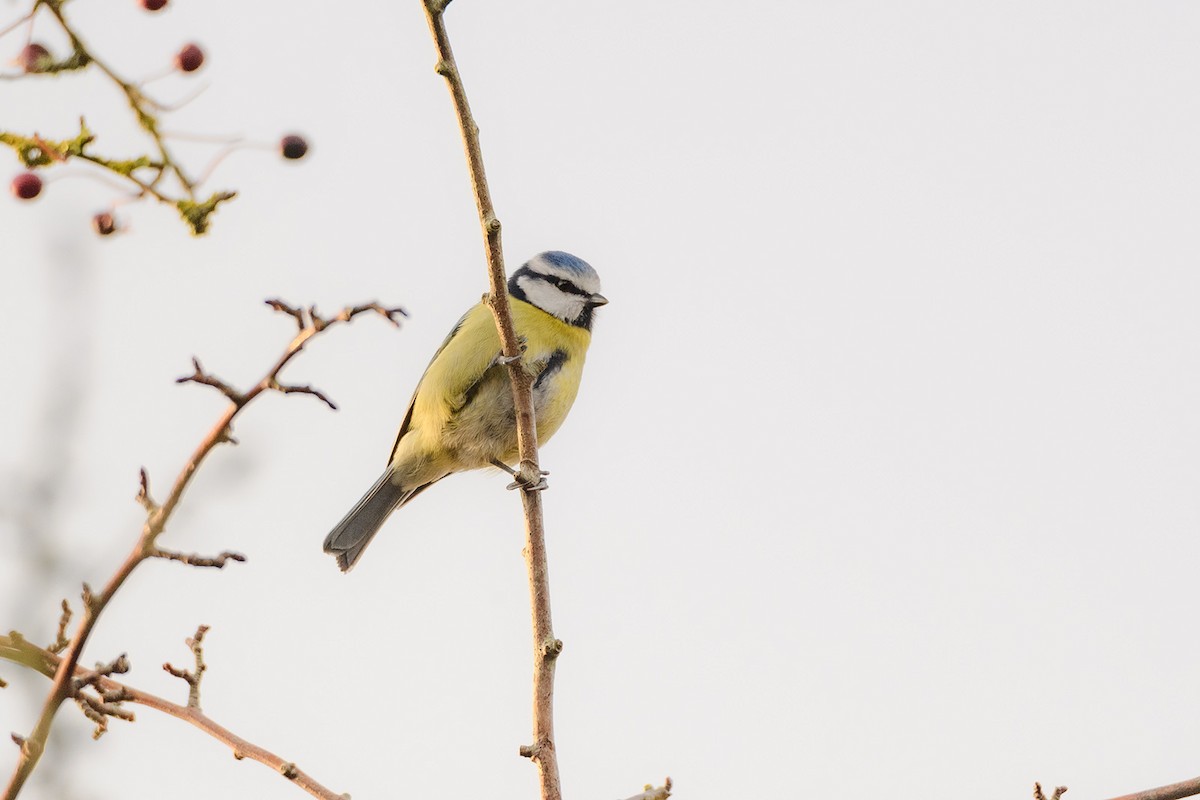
[{"x": 597, "y": 300}]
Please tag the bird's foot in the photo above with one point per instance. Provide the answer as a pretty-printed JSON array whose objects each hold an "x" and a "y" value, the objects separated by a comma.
[
  {"x": 523, "y": 478},
  {"x": 540, "y": 486},
  {"x": 504, "y": 360}
]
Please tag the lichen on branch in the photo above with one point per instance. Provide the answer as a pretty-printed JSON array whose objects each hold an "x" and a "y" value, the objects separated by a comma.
[{"x": 155, "y": 174}]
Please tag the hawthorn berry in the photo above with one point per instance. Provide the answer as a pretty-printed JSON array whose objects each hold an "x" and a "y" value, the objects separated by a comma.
[
  {"x": 26, "y": 186},
  {"x": 153, "y": 5},
  {"x": 190, "y": 58},
  {"x": 293, "y": 147},
  {"x": 34, "y": 58},
  {"x": 104, "y": 223}
]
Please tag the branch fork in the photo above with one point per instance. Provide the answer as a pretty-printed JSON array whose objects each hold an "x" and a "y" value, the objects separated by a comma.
[
  {"x": 61, "y": 641},
  {"x": 205, "y": 379},
  {"x": 14, "y": 647},
  {"x": 64, "y": 670},
  {"x": 192, "y": 677},
  {"x": 106, "y": 703}
]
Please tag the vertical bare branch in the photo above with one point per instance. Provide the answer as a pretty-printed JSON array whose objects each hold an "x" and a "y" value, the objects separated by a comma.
[{"x": 546, "y": 646}]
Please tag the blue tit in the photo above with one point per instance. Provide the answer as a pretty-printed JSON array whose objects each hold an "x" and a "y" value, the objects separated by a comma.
[{"x": 461, "y": 416}]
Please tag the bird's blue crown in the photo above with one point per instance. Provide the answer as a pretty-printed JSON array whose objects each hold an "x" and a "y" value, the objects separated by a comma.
[{"x": 565, "y": 262}]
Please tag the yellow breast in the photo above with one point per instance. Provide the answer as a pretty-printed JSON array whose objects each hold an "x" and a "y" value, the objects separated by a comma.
[{"x": 462, "y": 417}]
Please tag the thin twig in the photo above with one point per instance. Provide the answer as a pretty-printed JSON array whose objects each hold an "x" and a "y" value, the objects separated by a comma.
[
  {"x": 14, "y": 648},
  {"x": 143, "y": 187},
  {"x": 192, "y": 677},
  {"x": 284, "y": 388},
  {"x": 225, "y": 152},
  {"x": 295, "y": 313},
  {"x": 196, "y": 560},
  {"x": 143, "y": 495},
  {"x": 200, "y": 376},
  {"x": 137, "y": 101},
  {"x": 546, "y": 646},
  {"x": 60, "y": 640},
  {"x": 108, "y": 704},
  {"x": 392, "y": 315},
  {"x": 157, "y": 517},
  {"x": 17, "y": 23}
]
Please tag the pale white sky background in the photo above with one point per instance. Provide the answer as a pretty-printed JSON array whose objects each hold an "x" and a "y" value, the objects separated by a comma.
[{"x": 882, "y": 481}]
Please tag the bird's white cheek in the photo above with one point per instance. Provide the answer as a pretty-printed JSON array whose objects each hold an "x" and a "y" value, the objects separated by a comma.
[
  {"x": 572, "y": 309},
  {"x": 553, "y": 301}
]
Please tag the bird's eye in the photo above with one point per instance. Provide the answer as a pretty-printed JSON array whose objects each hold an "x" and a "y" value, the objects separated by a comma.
[{"x": 562, "y": 283}]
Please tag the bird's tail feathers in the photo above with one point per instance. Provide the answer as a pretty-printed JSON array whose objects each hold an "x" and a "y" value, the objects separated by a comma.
[{"x": 350, "y": 537}]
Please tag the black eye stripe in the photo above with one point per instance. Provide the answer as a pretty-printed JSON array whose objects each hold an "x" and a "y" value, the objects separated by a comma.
[
  {"x": 564, "y": 285},
  {"x": 582, "y": 320}
]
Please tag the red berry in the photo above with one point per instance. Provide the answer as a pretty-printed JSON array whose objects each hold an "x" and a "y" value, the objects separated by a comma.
[
  {"x": 154, "y": 5},
  {"x": 34, "y": 58},
  {"x": 293, "y": 147},
  {"x": 104, "y": 223},
  {"x": 190, "y": 58},
  {"x": 26, "y": 186}
]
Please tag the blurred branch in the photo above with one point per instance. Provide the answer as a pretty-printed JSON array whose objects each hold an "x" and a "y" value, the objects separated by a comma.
[
  {"x": 143, "y": 107},
  {"x": 16, "y": 649},
  {"x": 36, "y": 151},
  {"x": 1174, "y": 791},
  {"x": 157, "y": 173},
  {"x": 7, "y": 29},
  {"x": 653, "y": 793},
  {"x": 546, "y": 646},
  {"x": 157, "y": 516},
  {"x": 36, "y": 491},
  {"x": 1038, "y": 794}
]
